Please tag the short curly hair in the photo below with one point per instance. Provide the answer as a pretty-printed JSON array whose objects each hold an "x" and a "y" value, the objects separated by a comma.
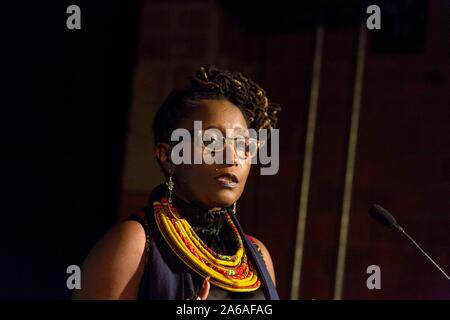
[{"x": 213, "y": 83}]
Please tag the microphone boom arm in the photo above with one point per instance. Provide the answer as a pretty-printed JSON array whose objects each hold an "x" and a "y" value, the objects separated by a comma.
[{"x": 399, "y": 228}]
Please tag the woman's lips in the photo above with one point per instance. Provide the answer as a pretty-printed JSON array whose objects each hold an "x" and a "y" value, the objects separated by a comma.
[{"x": 228, "y": 180}]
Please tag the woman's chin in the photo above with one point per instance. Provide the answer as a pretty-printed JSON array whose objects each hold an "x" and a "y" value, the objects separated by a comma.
[{"x": 224, "y": 198}]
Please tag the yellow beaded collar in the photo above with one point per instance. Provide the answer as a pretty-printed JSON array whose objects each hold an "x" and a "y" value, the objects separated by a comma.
[{"x": 232, "y": 273}]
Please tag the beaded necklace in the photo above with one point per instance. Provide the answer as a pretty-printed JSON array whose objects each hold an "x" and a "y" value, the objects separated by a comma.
[{"x": 233, "y": 273}]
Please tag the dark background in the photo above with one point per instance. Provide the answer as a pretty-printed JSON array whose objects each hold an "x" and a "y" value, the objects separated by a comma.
[{"x": 67, "y": 97}]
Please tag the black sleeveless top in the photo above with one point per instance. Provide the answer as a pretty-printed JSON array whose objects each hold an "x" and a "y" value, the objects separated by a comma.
[{"x": 163, "y": 265}]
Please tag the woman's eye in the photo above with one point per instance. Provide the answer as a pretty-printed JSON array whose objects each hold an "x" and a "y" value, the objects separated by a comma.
[
  {"x": 243, "y": 145},
  {"x": 251, "y": 146},
  {"x": 208, "y": 142},
  {"x": 247, "y": 146},
  {"x": 211, "y": 140}
]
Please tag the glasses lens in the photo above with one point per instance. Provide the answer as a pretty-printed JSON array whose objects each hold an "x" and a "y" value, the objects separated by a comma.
[{"x": 213, "y": 141}]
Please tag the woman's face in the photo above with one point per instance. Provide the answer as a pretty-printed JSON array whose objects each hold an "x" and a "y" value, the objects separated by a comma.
[{"x": 214, "y": 185}]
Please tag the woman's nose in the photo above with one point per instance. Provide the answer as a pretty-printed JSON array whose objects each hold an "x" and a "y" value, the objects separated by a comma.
[{"x": 231, "y": 154}]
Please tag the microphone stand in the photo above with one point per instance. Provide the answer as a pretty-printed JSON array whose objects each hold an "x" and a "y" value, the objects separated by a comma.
[{"x": 399, "y": 228}]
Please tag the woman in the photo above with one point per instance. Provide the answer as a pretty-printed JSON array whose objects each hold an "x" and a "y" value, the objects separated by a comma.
[{"x": 187, "y": 242}]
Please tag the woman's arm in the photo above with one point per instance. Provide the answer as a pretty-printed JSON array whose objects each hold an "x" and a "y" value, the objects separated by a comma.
[{"x": 114, "y": 267}]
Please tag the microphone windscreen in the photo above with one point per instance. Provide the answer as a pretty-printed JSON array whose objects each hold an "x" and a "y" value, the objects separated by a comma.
[{"x": 382, "y": 216}]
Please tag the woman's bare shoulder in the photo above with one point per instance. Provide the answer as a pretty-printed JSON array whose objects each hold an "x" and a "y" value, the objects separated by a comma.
[{"x": 114, "y": 267}]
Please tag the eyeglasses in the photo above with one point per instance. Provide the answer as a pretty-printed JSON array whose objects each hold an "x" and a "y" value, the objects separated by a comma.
[{"x": 213, "y": 141}]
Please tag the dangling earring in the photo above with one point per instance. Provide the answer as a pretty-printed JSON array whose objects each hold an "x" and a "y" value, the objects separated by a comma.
[
  {"x": 234, "y": 208},
  {"x": 170, "y": 186}
]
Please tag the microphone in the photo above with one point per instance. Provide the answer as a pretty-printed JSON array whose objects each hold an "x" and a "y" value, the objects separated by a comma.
[{"x": 383, "y": 216}]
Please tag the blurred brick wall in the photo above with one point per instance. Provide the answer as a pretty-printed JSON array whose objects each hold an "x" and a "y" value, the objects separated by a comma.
[
  {"x": 402, "y": 158},
  {"x": 176, "y": 38},
  {"x": 403, "y": 163}
]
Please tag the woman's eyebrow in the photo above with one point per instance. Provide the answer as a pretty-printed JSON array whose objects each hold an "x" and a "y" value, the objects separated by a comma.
[
  {"x": 222, "y": 128},
  {"x": 212, "y": 127},
  {"x": 209, "y": 127}
]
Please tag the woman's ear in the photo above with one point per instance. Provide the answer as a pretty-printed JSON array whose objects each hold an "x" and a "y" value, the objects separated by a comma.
[{"x": 162, "y": 151}]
